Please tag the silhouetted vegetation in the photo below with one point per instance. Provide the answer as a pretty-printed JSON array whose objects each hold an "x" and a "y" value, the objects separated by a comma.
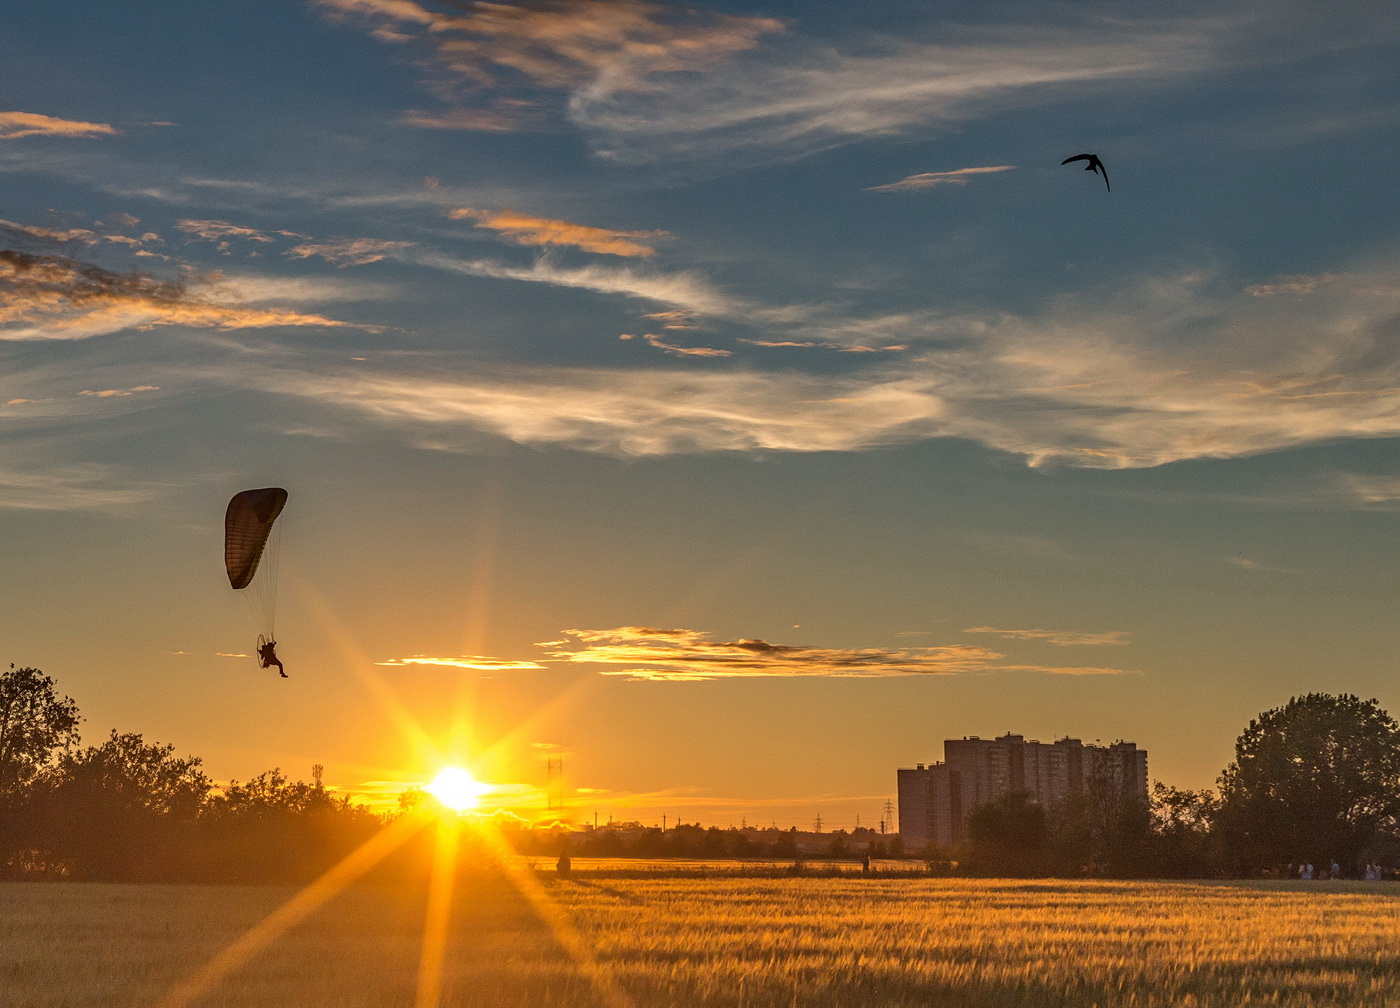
[{"x": 1315, "y": 781}]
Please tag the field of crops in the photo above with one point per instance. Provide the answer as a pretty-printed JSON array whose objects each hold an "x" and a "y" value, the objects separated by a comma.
[{"x": 666, "y": 941}]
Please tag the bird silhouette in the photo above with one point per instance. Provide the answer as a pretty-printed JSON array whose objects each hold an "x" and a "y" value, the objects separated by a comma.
[{"x": 1094, "y": 165}]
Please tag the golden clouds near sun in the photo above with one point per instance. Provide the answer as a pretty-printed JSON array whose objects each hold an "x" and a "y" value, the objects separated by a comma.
[{"x": 457, "y": 789}]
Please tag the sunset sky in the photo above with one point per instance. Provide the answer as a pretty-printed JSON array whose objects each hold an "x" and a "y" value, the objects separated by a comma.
[{"x": 736, "y": 400}]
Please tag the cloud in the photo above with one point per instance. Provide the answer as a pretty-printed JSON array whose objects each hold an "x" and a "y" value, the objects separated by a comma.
[
  {"x": 1324, "y": 282},
  {"x": 821, "y": 344},
  {"x": 221, "y": 232},
  {"x": 1061, "y": 637},
  {"x": 50, "y": 238},
  {"x": 505, "y": 118},
  {"x": 479, "y": 54},
  {"x": 14, "y": 125},
  {"x": 927, "y": 180},
  {"x": 679, "y": 351},
  {"x": 685, "y": 290},
  {"x": 527, "y": 230},
  {"x": 677, "y": 319},
  {"x": 350, "y": 251},
  {"x": 56, "y": 297},
  {"x": 810, "y": 96},
  {"x": 109, "y": 393},
  {"x": 1151, "y": 371},
  {"x": 87, "y": 487},
  {"x": 689, "y": 656},
  {"x": 1246, "y": 563},
  {"x": 618, "y": 411},
  {"x": 1370, "y": 491},
  {"x": 475, "y": 663}
]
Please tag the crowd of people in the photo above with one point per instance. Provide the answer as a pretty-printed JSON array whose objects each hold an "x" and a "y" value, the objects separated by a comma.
[{"x": 1307, "y": 872}]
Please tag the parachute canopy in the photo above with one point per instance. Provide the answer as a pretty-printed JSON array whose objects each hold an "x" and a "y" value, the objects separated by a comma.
[{"x": 247, "y": 524}]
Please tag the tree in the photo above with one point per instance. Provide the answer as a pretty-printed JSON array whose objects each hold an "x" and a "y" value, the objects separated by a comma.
[
  {"x": 1008, "y": 836},
  {"x": 36, "y": 727},
  {"x": 1314, "y": 780},
  {"x": 1181, "y": 829},
  {"x": 124, "y": 810},
  {"x": 273, "y": 829}
]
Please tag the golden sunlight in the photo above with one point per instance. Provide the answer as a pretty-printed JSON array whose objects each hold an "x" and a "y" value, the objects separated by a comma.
[{"x": 457, "y": 789}]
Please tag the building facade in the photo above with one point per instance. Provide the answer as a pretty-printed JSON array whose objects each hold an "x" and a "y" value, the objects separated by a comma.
[{"x": 934, "y": 800}]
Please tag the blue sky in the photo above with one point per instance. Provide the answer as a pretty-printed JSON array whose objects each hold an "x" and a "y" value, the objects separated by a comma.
[{"x": 685, "y": 328}]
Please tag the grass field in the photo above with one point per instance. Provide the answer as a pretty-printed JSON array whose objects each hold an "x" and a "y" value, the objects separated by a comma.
[{"x": 809, "y": 942}]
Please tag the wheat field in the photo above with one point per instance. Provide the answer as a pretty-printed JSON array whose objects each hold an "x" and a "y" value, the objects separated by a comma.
[{"x": 654, "y": 943}]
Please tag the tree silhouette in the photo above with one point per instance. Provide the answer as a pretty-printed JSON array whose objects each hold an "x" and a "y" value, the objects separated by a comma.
[
  {"x": 1181, "y": 827},
  {"x": 1314, "y": 780},
  {"x": 1008, "y": 836},
  {"x": 124, "y": 810},
  {"x": 36, "y": 727}
]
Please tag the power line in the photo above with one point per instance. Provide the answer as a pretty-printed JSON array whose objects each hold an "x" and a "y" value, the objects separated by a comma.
[{"x": 554, "y": 787}]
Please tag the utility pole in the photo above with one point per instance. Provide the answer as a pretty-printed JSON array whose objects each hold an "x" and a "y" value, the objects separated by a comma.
[
  {"x": 316, "y": 771},
  {"x": 554, "y": 788},
  {"x": 819, "y": 822},
  {"x": 887, "y": 819}
]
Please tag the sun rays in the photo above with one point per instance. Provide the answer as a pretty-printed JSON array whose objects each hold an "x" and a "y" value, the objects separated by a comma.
[{"x": 456, "y": 792}]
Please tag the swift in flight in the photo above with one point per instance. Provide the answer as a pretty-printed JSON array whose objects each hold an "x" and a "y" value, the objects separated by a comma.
[{"x": 1094, "y": 165}]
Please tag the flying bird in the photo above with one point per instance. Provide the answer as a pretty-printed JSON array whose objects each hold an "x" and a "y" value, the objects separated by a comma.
[{"x": 1094, "y": 165}]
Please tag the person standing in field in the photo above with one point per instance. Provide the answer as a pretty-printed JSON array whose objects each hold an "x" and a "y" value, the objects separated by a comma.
[
  {"x": 563, "y": 866},
  {"x": 1306, "y": 873}
]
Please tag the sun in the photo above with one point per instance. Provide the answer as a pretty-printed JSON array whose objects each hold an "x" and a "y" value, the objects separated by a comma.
[{"x": 457, "y": 789}]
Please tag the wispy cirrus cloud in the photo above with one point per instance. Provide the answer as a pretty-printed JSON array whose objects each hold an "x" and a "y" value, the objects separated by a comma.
[
  {"x": 349, "y": 251},
  {"x": 111, "y": 393},
  {"x": 1370, "y": 491},
  {"x": 679, "y": 655},
  {"x": 1061, "y": 637},
  {"x": 57, "y": 297},
  {"x": 1157, "y": 370},
  {"x": 48, "y": 238},
  {"x": 677, "y": 319},
  {"x": 680, "y": 351},
  {"x": 1250, "y": 564},
  {"x": 927, "y": 180},
  {"x": 14, "y": 125},
  {"x": 811, "y": 96},
  {"x": 474, "y": 663},
  {"x": 221, "y": 233},
  {"x": 685, "y": 289},
  {"x": 81, "y": 487},
  {"x": 1324, "y": 283},
  {"x": 526, "y": 229},
  {"x": 479, "y": 55}
]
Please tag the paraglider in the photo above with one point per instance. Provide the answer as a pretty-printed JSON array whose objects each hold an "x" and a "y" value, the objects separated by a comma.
[
  {"x": 247, "y": 528},
  {"x": 267, "y": 655}
]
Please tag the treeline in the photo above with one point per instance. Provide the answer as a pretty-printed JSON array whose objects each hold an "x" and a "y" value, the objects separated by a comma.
[
  {"x": 692, "y": 840},
  {"x": 131, "y": 811},
  {"x": 1316, "y": 781}
]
